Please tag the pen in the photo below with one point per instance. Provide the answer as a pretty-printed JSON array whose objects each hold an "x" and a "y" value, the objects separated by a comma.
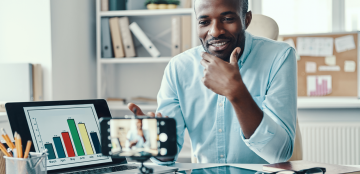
[
  {"x": 27, "y": 150},
  {"x": 7, "y": 139},
  {"x": 3, "y": 149},
  {"x": 42, "y": 154},
  {"x": 10, "y": 151}
]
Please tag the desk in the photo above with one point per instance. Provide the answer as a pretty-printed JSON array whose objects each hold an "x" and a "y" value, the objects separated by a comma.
[{"x": 188, "y": 166}]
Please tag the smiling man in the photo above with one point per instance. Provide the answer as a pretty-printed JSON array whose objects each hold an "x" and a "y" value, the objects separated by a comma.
[{"x": 236, "y": 94}]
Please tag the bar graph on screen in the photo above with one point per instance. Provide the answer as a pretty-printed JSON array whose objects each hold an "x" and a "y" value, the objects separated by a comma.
[
  {"x": 65, "y": 141},
  {"x": 69, "y": 138},
  {"x": 319, "y": 85}
]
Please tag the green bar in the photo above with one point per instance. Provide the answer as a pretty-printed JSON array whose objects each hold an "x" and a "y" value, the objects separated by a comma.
[{"x": 75, "y": 137}]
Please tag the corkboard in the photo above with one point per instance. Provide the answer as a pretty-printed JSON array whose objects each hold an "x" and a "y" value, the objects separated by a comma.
[{"x": 343, "y": 83}]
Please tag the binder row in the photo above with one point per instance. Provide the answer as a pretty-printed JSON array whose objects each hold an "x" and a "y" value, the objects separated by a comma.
[{"x": 117, "y": 41}]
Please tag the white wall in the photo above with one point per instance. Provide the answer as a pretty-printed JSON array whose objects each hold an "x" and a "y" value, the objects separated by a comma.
[
  {"x": 25, "y": 36},
  {"x": 73, "y": 49}
]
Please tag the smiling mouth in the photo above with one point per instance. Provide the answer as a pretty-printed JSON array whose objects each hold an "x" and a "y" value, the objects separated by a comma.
[{"x": 219, "y": 46}]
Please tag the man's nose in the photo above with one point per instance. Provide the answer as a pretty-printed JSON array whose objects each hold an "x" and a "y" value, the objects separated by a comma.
[{"x": 216, "y": 29}]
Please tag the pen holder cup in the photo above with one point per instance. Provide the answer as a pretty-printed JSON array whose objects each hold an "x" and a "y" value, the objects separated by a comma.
[{"x": 34, "y": 165}]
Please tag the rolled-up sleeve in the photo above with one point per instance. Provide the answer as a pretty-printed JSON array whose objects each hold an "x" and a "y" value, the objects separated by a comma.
[
  {"x": 273, "y": 140},
  {"x": 168, "y": 105}
]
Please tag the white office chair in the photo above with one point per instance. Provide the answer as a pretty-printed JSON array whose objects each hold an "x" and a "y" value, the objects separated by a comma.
[{"x": 265, "y": 26}]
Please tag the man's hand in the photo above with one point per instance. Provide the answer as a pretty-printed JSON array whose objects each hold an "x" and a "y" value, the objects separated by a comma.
[
  {"x": 219, "y": 76},
  {"x": 133, "y": 143},
  {"x": 139, "y": 112}
]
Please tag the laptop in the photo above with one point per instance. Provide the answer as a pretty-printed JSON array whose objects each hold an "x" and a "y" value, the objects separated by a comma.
[{"x": 70, "y": 132}]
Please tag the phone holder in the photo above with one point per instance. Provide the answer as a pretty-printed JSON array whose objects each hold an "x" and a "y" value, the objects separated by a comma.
[{"x": 143, "y": 169}]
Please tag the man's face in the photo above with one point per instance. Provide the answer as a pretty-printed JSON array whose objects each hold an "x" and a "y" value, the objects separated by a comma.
[
  {"x": 139, "y": 124},
  {"x": 220, "y": 27}
]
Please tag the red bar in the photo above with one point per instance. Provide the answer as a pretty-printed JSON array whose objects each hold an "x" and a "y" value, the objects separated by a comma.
[{"x": 68, "y": 145}]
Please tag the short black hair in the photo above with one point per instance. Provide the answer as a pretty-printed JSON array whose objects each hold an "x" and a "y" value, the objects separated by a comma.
[{"x": 244, "y": 7}]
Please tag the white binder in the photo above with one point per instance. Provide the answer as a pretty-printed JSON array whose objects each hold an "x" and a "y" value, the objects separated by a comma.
[
  {"x": 126, "y": 37},
  {"x": 175, "y": 35},
  {"x": 144, "y": 40},
  {"x": 16, "y": 82}
]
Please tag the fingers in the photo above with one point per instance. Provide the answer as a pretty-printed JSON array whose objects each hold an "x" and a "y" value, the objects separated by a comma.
[
  {"x": 132, "y": 106},
  {"x": 204, "y": 63},
  {"x": 151, "y": 114},
  {"x": 208, "y": 57},
  {"x": 159, "y": 115},
  {"x": 235, "y": 55}
]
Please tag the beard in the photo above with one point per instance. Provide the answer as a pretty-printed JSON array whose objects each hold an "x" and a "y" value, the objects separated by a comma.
[{"x": 238, "y": 41}]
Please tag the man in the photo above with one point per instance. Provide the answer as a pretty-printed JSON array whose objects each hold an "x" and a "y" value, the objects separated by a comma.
[
  {"x": 138, "y": 137},
  {"x": 236, "y": 94}
]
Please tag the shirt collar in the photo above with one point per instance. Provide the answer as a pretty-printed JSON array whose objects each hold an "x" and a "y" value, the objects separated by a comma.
[{"x": 247, "y": 50}]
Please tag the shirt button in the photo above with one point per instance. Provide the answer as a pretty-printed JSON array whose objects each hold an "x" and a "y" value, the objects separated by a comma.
[
  {"x": 220, "y": 130},
  {"x": 220, "y": 104},
  {"x": 221, "y": 156}
]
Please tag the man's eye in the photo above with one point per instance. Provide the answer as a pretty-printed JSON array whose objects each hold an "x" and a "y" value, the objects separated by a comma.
[
  {"x": 203, "y": 22},
  {"x": 229, "y": 19}
]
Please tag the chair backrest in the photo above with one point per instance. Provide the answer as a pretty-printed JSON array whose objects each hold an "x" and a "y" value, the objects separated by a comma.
[
  {"x": 263, "y": 26},
  {"x": 297, "y": 152}
]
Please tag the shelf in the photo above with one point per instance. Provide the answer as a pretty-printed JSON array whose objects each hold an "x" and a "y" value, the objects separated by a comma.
[
  {"x": 115, "y": 106},
  {"x": 177, "y": 11},
  {"x": 135, "y": 60},
  {"x": 328, "y": 102},
  {"x": 303, "y": 103}
]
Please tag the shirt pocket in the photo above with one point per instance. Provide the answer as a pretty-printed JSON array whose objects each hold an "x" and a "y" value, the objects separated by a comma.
[{"x": 258, "y": 100}]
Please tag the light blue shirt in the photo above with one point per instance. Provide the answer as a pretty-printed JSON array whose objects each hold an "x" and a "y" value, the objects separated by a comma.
[{"x": 268, "y": 69}]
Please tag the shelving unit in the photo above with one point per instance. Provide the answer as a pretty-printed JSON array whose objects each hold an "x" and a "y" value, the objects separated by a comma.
[
  {"x": 135, "y": 60},
  {"x": 116, "y": 63},
  {"x": 178, "y": 11},
  {"x": 328, "y": 102}
]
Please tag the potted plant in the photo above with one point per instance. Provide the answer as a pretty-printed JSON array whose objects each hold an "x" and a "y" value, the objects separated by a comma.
[
  {"x": 151, "y": 4},
  {"x": 172, "y": 4},
  {"x": 162, "y": 4}
]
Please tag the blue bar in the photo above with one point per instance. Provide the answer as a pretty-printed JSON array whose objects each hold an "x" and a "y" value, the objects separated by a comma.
[
  {"x": 51, "y": 152},
  {"x": 96, "y": 142},
  {"x": 59, "y": 147}
]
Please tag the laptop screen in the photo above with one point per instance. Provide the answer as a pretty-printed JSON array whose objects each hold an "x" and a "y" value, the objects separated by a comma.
[{"x": 70, "y": 133}]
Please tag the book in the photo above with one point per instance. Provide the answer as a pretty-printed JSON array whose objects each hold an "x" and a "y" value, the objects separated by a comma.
[
  {"x": 301, "y": 165},
  {"x": 126, "y": 37},
  {"x": 106, "y": 47},
  {"x": 37, "y": 83},
  {"x": 116, "y": 37},
  {"x": 104, "y": 5},
  {"x": 175, "y": 35},
  {"x": 2, "y": 107},
  {"x": 188, "y": 4},
  {"x": 185, "y": 33},
  {"x": 117, "y": 5},
  {"x": 144, "y": 40}
]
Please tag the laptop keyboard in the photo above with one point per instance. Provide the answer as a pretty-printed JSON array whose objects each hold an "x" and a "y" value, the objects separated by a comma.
[{"x": 104, "y": 170}]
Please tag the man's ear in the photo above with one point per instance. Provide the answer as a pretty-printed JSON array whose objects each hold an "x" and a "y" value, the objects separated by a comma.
[{"x": 248, "y": 19}]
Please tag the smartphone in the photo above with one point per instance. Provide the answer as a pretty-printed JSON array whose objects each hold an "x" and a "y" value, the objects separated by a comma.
[{"x": 138, "y": 137}]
